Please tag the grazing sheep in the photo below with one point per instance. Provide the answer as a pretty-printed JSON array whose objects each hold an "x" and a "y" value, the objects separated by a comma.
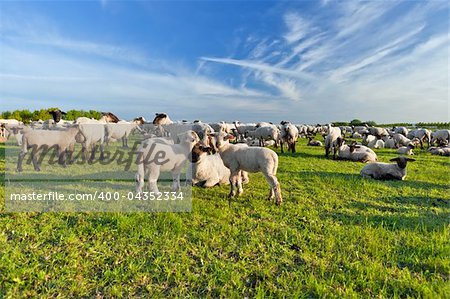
[
  {"x": 355, "y": 152},
  {"x": 401, "y": 140},
  {"x": 401, "y": 130},
  {"x": 265, "y": 133},
  {"x": 422, "y": 135},
  {"x": 42, "y": 140},
  {"x": 312, "y": 142},
  {"x": 154, "y": 157},
  {"x": 387, "y": 171},
  {"x": 377, "y": 132},
  {"x": 331, "y": 140},
  {"x": 441, "y": 137},
  {"x": 208, "y": 170},
  {"x": 251, "y": 159},
  {"x": 289, "y": 135},
  {"x": 120, "y": 130},
  {"x": 406, "y": 150}
]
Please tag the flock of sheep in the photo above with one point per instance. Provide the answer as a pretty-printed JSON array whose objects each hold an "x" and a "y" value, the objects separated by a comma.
[{"x": 218, "y": 153}]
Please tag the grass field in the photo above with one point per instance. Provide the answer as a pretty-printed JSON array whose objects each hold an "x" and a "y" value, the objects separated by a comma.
[{"x": 336, "y": 235}]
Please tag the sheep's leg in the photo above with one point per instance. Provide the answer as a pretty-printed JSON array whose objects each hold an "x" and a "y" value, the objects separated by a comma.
[
  {"x": 153, "y": 179},
  {"x": 233, "y": 181},
  {"x": 34, "y": 155},
  {"x": 275, "y": 190},
  {"x": 102, "y": 154},
  {"x": 281, "y": 145},
  {"x": 176, "y": 186},
  {"x": 327, "y": 151},
  {"x": 61, "y": 158},
  {"x": 238, "y": 177},
  {"x": 20, "y": 160}
]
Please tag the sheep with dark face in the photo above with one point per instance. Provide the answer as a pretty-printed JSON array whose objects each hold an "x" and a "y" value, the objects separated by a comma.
[
  {"x": 312, "y": 142},
  {"x": 355, "y": 152},
  {"x": 162, "y": 119},
  {"x": 57, "y": 115},
  {"x": 387, "y": 171},
  {"x": 406, "y": 150}
]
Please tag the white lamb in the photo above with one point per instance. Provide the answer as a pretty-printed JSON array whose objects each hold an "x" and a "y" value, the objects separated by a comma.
[
  {"x": 154, "y": 157},
  {"x": 386, "y": 171},
  {"x": 251, "y": 159},
  {"x": 406, "y": 150},
  {"x": 355, "y": 152},
  {"x": 331, "y": 140}
]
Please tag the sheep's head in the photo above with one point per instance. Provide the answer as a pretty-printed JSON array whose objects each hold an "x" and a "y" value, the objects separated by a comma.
[
  {"x": 189, "y": 137},
  {"x": 220, "y": 139},
  {"x": 402, "y": 161}
]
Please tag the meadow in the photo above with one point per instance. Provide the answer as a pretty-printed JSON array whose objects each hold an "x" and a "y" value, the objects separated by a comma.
[{"x": 336, "y": 235}]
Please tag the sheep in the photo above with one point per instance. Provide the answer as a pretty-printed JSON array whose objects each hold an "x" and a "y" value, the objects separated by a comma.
[
  {"x": 331, "y": 140},
  {"x": 387, "y": 171},
  {"x": 406, "y": 150},
  {"x": 389, "y": 142},
  {"x": 401, "y": 140},
  {"x": 121, "y": 130},
  {"x": 41, "y": 140},
  {"x": 16, "y": 131},
  {"x": 376, "y": 143},
  {"x": 355, "y": 152},
  {"x": 240, "y": 157},
  {"x": 289, "y": 134},
  {"x": 312, "y": 142},
  {"x": 400, "y": 130},
  {"x": 266, "y": 133},
  {"x": 422, "y": 135},
  {"x": 442, "y": 151},
  {"x": 57, "y": 115},
  {"x": 357, "y": 135},
  {"x": 208, "y": 170},
  {"x": 368, "y": 138},
  {"x": 242, "y": 129},
  {"x": 162, "y": 119},
  {"x": 154, "y": 157},
  {"x": 441, "y": 137},
  {"x": 377, "y": 131},
  {"x": 92, "y": 132}
]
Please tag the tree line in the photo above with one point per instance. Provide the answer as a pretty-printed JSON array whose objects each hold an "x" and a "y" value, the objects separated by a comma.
[{"x": 27, "y": 116}]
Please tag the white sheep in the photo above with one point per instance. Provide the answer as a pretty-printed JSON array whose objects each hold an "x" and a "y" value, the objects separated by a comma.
[
  {"x": 389, "y": 142},
  {"x": 120, "y": 130},
  {"x": 355, "y": 152},
  {"x": 440, "y": 137},
  {"x": 288, "y": 134},
  {"x": 422, "y": 135},
  {"x": 265, "y": 133},
  {"x": 406, "y": 150},
  {"x": 331, "y": 140},
  {"x": 312, "y": 142},
  {"x": 208, "y": 170},
  {"x": 442, "y": 151},
  {"x": 387, "y": 171},
  {"x": 251, "y": 159},
  {"x": 376, "y": 143},
  {"x": 154, "y": 157},
  {"x": 43, "y": 140}
]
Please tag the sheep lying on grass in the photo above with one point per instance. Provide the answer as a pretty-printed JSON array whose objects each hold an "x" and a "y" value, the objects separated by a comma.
[
  {"x": 406, "y": 150},
  {"x": 42, "y": 140},
  {"x": 312, "y": 142},
  {"x": 441, "y": 151},
  {"x": 251, "y": 159},
  {"x": 387, "y": 171},
  {"x": 208, "y": 170},
  {"x": 355, "y": 152}
]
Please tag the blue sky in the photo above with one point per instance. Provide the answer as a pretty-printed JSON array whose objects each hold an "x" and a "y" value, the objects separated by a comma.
[{"x": 304, "y": 61}]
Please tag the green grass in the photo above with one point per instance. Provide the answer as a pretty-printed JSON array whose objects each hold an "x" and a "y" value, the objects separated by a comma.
[{"x": 336, "y": 235}]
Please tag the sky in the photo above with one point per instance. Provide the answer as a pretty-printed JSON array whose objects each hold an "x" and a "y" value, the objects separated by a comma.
[{"x": 303, "y": 61}]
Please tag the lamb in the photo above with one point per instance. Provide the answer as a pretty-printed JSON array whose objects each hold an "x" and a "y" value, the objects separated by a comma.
[
  {"x": 16, "y": 131},
  {"x": 174, "y": 157},
  {"x": 41, "y": 140},
  {"x": 387, "y": 171},
  {"x": 289, "y": 134},
  {"x": 92, "y": 132},
  {"x": 357, "y": 135},
  {"x": 401, "y": 140},
  {"x": 208, "y": 170},
  {"x": 389, "y": 142},
  {"x": 120, "y": 130},
  {"x": 377, "y": 131},
  {"x": 401, "y": 130},
  {"x": 312, "y": 142},
  {"x": 331, "y": 140},
  {"x": 441, "y": 137},
  {"x": 355, "y": 152},
  {"x": 242, "y": 129},
  {"x": 406, "y": 150},
  {"x": 251, "y": 159}
]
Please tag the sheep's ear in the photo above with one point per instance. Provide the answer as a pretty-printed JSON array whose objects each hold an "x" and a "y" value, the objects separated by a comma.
[
  {"x": 410, "y": 159},
  {"x": 395, "y": 159},
  {"x": 356, "y": 146}
]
